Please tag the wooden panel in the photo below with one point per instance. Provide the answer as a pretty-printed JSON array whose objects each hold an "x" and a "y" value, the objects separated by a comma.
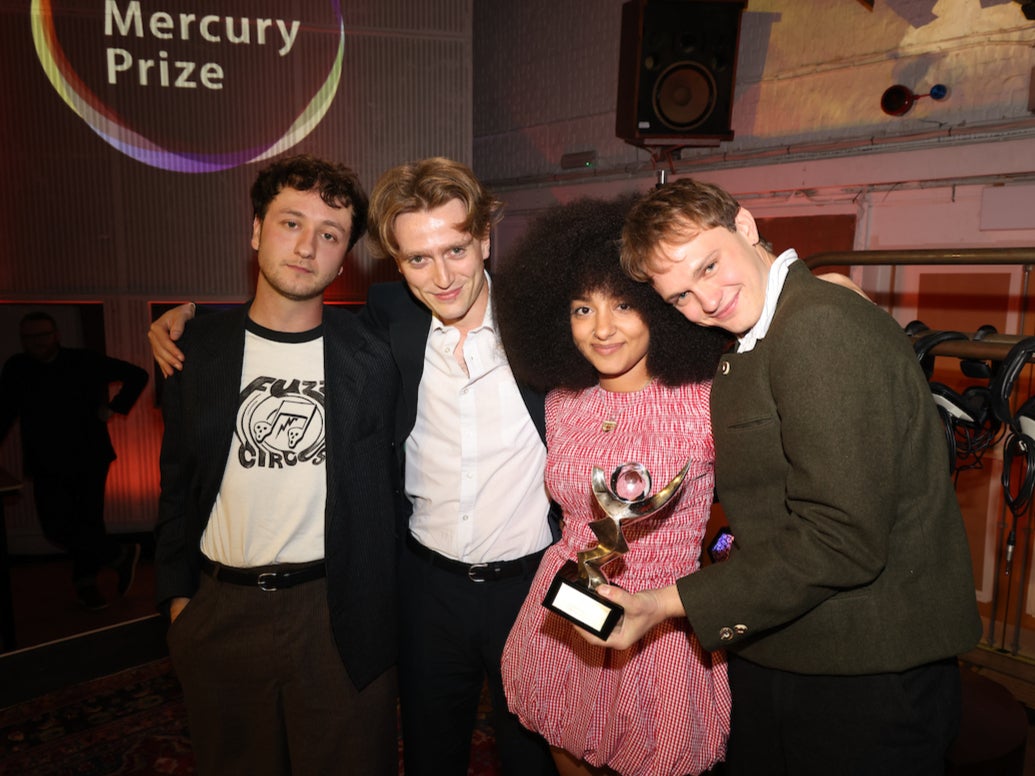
[{"x": 809, "y": 235}]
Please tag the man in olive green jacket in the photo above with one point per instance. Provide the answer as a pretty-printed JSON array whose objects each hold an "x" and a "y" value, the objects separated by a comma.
[{"x": 850, "y": 589}]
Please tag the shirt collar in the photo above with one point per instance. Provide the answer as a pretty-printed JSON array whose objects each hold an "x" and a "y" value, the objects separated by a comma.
[{"x": 774, "y": 285}]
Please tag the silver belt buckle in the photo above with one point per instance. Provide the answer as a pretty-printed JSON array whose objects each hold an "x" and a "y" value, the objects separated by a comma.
[
  {"x": 473, "y": 569},
  {"x": 267, "y": 581}
]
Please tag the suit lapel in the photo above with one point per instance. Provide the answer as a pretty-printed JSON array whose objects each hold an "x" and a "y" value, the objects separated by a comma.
[
  {"x": 409, "y": 329},
  {"x": 344, "y": 384},
  {"x": 408, "y": 334},
  {"x": 219, "y": 355},
  {"x": 535, "y": 403}
]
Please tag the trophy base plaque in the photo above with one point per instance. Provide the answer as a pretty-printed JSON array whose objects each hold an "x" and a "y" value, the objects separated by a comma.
[{"x": 569, "y": 597}]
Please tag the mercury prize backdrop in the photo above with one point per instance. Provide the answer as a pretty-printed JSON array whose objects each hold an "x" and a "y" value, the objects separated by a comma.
[{"x": 131, "y": 131}]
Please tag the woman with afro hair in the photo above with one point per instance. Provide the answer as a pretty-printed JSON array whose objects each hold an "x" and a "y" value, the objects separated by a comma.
[{"x": 629, "y": 380}]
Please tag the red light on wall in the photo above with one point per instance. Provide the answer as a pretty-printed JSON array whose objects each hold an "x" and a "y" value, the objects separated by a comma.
[{"x": 897, "y": 100}]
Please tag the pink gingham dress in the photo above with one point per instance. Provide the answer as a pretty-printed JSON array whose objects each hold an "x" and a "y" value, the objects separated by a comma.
[{"x": 660, "y": 708}]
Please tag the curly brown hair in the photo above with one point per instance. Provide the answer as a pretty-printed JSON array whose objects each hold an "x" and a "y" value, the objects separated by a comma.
[
  {"x": 336, "y": 184},
  {"x": 570, "y": 250}
]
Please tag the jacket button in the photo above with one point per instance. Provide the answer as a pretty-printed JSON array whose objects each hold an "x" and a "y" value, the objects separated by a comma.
[
  {"x": 740, "y": 630},
  {"x": 725, "y": 367},
  {"x": 726, "y": 634}
]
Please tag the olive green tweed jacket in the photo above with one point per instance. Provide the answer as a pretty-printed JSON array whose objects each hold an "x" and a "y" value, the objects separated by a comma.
[{"x": 851, "y": 556}]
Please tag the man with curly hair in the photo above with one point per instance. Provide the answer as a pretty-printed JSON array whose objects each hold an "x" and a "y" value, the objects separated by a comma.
[{"x": 268, "y": 553}]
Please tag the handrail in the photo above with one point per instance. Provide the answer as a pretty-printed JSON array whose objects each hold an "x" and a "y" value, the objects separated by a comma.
[
  {"x": 985, "y": 349},
  {"x": 923, "y": 256},
  {"x": 989, "y": 348}
]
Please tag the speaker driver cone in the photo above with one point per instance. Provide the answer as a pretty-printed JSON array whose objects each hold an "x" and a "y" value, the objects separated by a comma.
[{"x": 684, "y": 95}]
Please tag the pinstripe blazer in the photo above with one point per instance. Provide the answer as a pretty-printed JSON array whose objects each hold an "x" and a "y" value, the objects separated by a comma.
[{"x": 200, "y": 405}]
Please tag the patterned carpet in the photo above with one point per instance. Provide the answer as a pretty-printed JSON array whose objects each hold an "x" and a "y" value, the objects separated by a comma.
[
  {"x": 129, "y": 723},
  {"x": 132, "y": 723}
]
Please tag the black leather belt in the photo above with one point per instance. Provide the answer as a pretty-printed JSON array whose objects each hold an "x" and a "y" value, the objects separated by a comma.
[
  {"x": 268, "y": 579},
  {"x": 477, "y": 572}
]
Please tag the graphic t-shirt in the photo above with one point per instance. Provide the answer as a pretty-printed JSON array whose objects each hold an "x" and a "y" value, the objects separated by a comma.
[{"x": 270, "y": 507}]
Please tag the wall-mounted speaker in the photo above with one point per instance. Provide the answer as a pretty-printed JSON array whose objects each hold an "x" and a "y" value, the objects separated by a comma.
[{"x": 677, "y": 71}]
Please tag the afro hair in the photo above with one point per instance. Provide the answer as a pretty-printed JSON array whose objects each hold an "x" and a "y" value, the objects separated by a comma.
[{"x": 569, "y": 250}]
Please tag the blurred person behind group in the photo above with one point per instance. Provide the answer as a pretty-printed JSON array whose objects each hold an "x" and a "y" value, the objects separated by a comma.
[{"x": 60, "y": 396}]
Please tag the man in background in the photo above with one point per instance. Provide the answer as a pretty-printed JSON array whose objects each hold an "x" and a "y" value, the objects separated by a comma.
[{"x": 61, "y": 398}]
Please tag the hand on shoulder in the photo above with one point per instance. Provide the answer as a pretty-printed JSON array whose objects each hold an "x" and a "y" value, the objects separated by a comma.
[{"x": 844, "y": 281}]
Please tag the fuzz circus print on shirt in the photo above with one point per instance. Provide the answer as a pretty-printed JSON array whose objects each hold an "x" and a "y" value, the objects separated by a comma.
[
  {"x": 280, "y": 422},
  {"x": 271, "y": 502}
]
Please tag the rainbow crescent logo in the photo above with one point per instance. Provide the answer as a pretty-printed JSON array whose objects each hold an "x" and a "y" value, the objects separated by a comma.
[{"x": 105, "y": 123}]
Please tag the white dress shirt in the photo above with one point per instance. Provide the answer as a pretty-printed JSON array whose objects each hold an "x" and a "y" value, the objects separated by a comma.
[{"x": 474, "y": 460}]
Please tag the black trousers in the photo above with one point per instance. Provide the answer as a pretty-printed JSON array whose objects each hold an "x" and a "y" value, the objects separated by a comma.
[
  {"x": 451, "y": 639},
  {"x": 70, "y": 506},
  {"x": 805, "y": 725}
]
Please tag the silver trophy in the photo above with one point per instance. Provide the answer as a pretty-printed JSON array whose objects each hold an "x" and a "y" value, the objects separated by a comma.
[{"x": 624, "y": 500}]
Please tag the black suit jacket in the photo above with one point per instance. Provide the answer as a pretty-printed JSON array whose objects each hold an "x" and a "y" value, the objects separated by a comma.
[
  {"x": 393, "y": 310},
  {"x": 200, "y": 406},
  {"x": 405, "y": 323}
]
